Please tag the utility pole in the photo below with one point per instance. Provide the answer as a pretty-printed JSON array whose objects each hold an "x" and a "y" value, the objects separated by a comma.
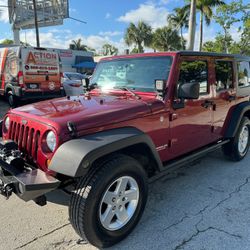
[
  {"x": 36, "y": 25},
  {"x": 192, "y": 25}
]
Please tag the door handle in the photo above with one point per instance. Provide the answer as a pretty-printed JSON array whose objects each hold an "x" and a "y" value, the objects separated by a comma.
[{"x": 206, "y": 104}]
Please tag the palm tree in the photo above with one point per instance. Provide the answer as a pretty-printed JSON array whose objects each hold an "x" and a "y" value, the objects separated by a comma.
[
  {"x": 166, "y": 38},
  {"x": 77, "y": 45},
  {"x": 206, "y": 10},
  {"x": 138, "y": 35},
  {"x": 192, "y": 24},
  {"x": 179, "y": 19},
  {"x": 109, "y": 50}
]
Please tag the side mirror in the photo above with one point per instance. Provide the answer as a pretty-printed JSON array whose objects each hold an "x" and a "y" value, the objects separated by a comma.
[
  {"x": 189, "y": 90},
  {"x": 160, "y": 86}
]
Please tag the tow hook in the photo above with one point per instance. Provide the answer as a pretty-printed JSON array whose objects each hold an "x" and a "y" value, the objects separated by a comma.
[{"x": 6, "y": 190}]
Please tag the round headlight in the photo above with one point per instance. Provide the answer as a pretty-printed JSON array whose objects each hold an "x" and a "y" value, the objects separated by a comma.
[
  {"x": 7, "y": 123},
  {"x": 51, "y": 141}
]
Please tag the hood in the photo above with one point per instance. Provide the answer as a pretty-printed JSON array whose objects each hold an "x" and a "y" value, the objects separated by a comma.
[{"x": 85, "y": 112}]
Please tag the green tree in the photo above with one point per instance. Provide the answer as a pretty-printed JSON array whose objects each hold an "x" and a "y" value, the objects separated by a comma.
[
  {"x": 179, "y": 20},
  {"x": 218, "y": 44},
  {"x": 226, "y": 16},
  {"x": 166, "y": 38},
  {"x": 109, "y": 50},
  {"x": 7, "y": 42},
  {"x": 10, "y": 42},
  {"x": 206, "y": 11},
  {"x": 139, "y": 35},
  {"x": 77, "y": 45}
]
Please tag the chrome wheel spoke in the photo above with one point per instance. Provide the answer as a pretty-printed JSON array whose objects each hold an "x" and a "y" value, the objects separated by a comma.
[
  {"x": 131, "y": 195},
  {"x": 107, "y": 216},
  {"x": 109, "y": 197},
  {"x": 122, "y": 214},
  {"x": 121, "y": 187}
]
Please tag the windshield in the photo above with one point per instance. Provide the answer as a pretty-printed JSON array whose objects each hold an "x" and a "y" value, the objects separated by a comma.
[{"x": 134, "y": 73}]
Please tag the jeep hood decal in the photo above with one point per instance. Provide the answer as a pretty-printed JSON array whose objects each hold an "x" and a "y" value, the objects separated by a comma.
[{"x": 85, "y": 112}]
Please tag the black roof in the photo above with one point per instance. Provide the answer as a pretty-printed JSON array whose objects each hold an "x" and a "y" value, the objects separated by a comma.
[{"x": 202, "y": 53}]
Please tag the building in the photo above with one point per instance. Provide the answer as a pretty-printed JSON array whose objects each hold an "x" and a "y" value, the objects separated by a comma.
[{"x": 76, "y": 60}]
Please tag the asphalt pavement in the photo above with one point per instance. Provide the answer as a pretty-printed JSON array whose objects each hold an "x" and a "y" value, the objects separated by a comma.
[{"x": 205, "y": 205}]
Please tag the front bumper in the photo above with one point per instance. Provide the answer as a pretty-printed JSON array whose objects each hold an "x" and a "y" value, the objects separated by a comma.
[{"x": 26, "y": 184}]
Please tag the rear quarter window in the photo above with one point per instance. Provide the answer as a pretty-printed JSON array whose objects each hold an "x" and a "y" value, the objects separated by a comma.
[{"x": 243, "y": 74}]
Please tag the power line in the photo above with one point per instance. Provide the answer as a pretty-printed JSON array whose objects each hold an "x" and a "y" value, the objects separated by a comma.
[{"x": 78, "y": 20}]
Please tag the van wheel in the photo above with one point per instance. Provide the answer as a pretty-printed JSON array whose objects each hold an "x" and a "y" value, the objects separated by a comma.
[
  {"x": 238, "y": 147},
  {"x": 109, "y": 201},
  {"x": 12, "y": 100}
]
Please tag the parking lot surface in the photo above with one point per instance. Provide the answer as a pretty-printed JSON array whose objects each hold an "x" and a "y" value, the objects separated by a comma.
[{"x": 205, "y": 205}]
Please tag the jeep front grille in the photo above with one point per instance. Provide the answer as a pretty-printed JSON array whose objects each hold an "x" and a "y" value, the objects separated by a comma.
[{"x": 26, "y": 137}]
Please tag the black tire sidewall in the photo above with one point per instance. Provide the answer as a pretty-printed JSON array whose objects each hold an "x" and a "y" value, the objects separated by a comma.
[
  {"x": 95, "y": 231},
  {"x": 12, "y": 100}
]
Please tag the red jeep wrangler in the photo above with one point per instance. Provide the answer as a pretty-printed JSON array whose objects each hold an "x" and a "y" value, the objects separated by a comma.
[{"x": 142, "y": 116}]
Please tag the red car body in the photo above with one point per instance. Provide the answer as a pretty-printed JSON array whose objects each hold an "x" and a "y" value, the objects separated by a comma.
[{"x": 98, "y": 112}]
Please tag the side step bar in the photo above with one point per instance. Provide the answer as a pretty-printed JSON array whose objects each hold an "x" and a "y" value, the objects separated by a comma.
[{"x": 173, "y": 165}]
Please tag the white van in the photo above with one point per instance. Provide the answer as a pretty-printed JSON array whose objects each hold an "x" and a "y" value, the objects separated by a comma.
[{"x": 29, "y": 73}]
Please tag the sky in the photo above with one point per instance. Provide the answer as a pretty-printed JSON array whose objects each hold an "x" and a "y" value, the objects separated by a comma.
[{"x": 106, "y": 22}]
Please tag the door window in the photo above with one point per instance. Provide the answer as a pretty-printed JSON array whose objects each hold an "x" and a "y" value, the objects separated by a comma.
[
  {"x": 224, "y": 75},
  {"x": 194, "y": 71},
  {"x": 243, "y": 74}
]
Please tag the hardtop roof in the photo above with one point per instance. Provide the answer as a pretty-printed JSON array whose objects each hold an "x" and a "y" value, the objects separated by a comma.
[{"x": 174, "y": 53}]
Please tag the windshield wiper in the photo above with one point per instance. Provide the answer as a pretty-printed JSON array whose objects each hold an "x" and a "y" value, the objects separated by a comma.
[
  {"x": 91, "y": 86},
  {"x": 124, "y": 88}
]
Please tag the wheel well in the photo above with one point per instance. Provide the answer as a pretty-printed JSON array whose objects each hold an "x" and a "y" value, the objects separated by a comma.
[
  {"x": 247, "y": 114},
  {"x": 140, "y": 152},
  {"x": 7, "y": 90}
]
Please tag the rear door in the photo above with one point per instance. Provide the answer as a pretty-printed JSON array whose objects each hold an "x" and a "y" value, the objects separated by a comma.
[
  {"x": 224, "y": 89},
  {"x": 41, "y": 70},
  {"x": 191, "y": 124}
]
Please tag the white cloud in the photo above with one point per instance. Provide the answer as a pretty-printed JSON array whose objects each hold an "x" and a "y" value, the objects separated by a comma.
[
  {"x": 108, "y": 15},
  {"x": 155, "y": 16},
  {"x": 110, "y": 33},
  {"x": 4, "y": 14},
  {"x": 57, "y": 40}
]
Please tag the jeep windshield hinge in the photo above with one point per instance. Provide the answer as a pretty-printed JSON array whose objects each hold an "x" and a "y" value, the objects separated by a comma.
[{"x": 72, "y": 129}]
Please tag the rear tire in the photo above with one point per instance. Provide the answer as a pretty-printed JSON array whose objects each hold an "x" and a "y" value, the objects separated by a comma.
[
  {"x": 12, "y": 100},
  {"x": 109, "y": 201},
  {"x": 238, "y": 147}
]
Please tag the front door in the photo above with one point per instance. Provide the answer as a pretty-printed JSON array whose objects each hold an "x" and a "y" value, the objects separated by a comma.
[{"x": 191, "y": 125}]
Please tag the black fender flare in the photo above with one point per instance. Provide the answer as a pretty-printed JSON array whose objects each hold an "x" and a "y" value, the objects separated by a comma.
[
  {"x": 235, "y": 118},
  {"x": 75, "y": 157},
  {"x": 9, "y": 86}
]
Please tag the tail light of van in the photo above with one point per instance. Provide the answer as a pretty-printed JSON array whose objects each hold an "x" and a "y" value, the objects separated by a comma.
[
  {"x": 61, "y": 78},
  {"x": 20, "y": 79}
]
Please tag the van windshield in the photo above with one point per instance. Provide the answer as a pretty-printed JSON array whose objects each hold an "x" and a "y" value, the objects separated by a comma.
[{"x": 138, "y": 74}]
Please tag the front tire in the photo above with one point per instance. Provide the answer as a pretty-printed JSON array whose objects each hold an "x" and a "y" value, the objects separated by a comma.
[
  {"x": 108, "y": 203},
  {"x": 238, "y": 147}
]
